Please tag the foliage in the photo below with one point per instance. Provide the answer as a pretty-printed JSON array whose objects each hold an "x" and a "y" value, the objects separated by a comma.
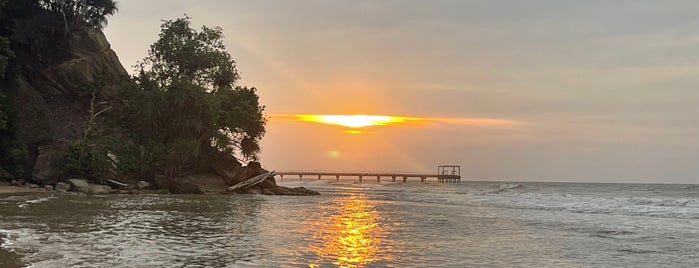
[
  {"x": 183, "y": 104},
  {"x": 5, "y": 55},
  {"x": 31, "y": 34},
  {"x": 79, "y": 13}
]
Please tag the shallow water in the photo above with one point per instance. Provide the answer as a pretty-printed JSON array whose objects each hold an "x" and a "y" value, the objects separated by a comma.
[{"x": 481, "y": 224}]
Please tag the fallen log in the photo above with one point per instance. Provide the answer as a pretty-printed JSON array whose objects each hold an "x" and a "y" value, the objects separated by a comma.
[
  {"x": 251, "y": 182},
  {"x": 116, "y": 185}
]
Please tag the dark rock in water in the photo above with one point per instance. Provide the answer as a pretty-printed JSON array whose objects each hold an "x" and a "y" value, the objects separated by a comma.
[
  {"x": 79, "y": 185},
  {"x": 96, "y": 189},
  {"x": 209, "y": 182},
  {"x": 192, "y": 184},
  {"x": 280, "y": 190},
  {"x": 227, "y": 173},
  {"x": 62, "y": 187},
  {"x": 178, "y": 185}
]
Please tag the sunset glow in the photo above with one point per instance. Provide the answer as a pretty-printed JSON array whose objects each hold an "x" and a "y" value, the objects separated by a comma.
[
  {"x": 352, "y": 237},
  {"x": 355, "y": 121}
]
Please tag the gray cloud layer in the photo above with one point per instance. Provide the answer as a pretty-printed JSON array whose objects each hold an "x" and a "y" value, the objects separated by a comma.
[{"x": 609, "y": 87}]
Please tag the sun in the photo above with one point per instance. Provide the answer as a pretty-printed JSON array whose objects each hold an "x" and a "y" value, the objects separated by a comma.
[{"x": 354, "y": 121}]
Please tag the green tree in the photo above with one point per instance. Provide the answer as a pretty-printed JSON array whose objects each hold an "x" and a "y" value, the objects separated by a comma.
[
  {"x": 79, "y": 13},
  {"x": 184, "y": 104},
  {"x": 5, "y": 52}
]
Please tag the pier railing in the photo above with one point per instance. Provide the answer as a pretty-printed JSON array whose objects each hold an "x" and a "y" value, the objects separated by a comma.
[{"x": 442, "y": 178}]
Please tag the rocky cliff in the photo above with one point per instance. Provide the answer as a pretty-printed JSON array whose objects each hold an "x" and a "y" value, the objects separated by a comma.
[{"x": 54, "y": 93}]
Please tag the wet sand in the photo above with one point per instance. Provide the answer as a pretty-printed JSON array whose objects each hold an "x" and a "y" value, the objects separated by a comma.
[
  {"x": 18, "y": 189},
  {"x": 9, "y": 259}
]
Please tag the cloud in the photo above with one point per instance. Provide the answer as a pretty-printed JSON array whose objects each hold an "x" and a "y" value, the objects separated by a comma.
[{"x": 362, "y": 121}]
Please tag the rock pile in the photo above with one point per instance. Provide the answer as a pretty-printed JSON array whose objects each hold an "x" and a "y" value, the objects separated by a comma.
[{"x": 215, "y": 182}]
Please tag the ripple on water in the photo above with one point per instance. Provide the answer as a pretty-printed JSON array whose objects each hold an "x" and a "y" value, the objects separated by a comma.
[{"x": 137, "y": 231}]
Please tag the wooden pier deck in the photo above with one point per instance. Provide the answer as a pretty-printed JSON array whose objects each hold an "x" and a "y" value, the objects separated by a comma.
[{"x": 442, "y": 178}]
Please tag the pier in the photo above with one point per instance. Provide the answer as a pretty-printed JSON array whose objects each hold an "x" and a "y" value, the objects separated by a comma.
[{"x": 445, "y": 174}]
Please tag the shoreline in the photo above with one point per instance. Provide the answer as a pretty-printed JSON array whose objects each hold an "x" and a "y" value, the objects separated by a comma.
[
  {"x": 9, "y": 259},
  {"x": 9, "y": 189}
]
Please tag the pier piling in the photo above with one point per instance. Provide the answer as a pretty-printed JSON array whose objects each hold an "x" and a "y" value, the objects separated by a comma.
[{"x": 445, "y": 174}]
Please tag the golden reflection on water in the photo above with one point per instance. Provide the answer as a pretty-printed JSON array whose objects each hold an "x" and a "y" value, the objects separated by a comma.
[{"x": 352, "y": 237}]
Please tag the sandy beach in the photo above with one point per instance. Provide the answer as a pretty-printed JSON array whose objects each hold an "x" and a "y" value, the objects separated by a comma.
[
  {"x": 5, "y": 189},
  {"x": 9, "y": 259}
]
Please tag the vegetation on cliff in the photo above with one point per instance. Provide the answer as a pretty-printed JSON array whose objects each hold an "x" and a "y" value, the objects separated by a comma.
[
  {"x": 181, "y": 108},
  {"x": 36, "y": 38}
]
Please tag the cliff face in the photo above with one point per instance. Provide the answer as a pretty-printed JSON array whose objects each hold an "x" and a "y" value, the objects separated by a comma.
[{"x": 54, "y": 92}]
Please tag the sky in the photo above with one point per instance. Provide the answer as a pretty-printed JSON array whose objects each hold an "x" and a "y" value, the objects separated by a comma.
[{"x": 572, "y": 91}]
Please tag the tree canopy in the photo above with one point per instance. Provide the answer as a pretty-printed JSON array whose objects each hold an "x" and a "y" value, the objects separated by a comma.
[
  {"x": 78, "y": 13},
  {"x": 183, "y": 103}
]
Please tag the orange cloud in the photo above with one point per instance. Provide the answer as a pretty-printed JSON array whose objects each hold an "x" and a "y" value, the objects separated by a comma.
[{"x": 362, "y": 121}]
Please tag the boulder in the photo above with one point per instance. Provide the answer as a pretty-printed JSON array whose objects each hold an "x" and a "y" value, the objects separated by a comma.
[
  {"x": 62, "y": 187},
  {"x": 209, "y": 182},
  {"x": 181, "y": 185},
  {"x": 142, "y": 185},
  {"x": 79, "y": 185},
  {"x": 47, "y": 164},
  {"x": 225, "y": 166},
  {"x": 280, "y": 190},
  {"x": 48, "y": 188},
  {"x": 199, "y": 183},
  {"x": 242, "y": 174},
  {"x": 161, "y": 181},
  {"x": 96, "y": 189}
]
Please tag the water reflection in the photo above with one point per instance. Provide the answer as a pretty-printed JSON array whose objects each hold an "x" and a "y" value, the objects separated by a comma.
[
  {"x": 134, "y": 231},
  {"x": 352, "y": 236}
]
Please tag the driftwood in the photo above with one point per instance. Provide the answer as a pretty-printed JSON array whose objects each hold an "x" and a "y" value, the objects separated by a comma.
[
  {"x": 251, "y": 182},
  {"x": 116, "y": 184}
]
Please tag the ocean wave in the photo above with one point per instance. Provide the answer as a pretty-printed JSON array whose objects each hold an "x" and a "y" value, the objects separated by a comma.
[
  {"x": 594, "y": 204},
  {"x": 503, "y": 196},
  {"x": 681, "y": 202},
  {"x": 506, "y": 186}
]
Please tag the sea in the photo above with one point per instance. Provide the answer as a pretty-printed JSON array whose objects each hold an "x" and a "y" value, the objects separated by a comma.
[{"x": 413, "y": 224}]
